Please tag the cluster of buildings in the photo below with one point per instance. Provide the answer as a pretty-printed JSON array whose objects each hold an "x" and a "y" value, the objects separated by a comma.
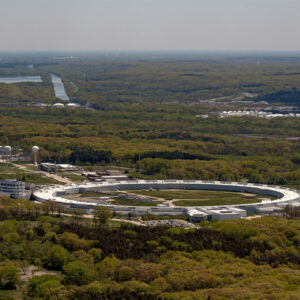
[
  {"x": 194, "y": 214},
  {"x": 285, "y": 196},
  {"x": 57, "y": 105},
  {"x": 68, "y": 105},
  {"x": 106, "y": 175},
  {"x": 255, "y": 113}
]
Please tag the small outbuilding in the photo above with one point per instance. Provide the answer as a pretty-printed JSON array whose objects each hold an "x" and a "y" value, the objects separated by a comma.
[{"x": 58, "y": 105}]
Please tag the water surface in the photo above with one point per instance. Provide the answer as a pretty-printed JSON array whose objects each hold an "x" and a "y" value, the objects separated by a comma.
[
  {"x": 18, "y": 79},
  {"x": 59, "y": 88}
]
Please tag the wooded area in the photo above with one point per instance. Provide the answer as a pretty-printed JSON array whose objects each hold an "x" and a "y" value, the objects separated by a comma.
[
  {"x": 172, "y": 143},
  {"x": 101, "y": 80},
  {"x": 239, "y": 259}
]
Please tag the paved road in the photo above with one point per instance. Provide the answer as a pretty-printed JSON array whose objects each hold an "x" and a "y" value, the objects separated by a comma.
[
  {"x": 58, "y": 178},
  {"x": 137, "y": 223},
  {"x": 49, "y": 175}
]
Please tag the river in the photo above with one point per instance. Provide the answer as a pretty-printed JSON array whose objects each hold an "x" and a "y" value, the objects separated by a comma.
[
  {"x": 58, "y": 85},
  {"x": 59, "y": 88}
]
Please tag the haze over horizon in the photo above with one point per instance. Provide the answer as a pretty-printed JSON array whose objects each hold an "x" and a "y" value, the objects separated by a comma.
[{"x": 200, "y": 25}]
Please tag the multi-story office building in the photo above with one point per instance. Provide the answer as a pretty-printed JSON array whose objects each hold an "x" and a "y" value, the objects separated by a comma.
[{"x": 12, "y": 188}]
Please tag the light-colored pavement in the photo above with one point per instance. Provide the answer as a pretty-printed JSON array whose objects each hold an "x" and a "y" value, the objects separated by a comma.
[
  {"x": 137, "y": 223},
  {"x": 49, "y": 175},
  {"x": 58, "y": 178}
]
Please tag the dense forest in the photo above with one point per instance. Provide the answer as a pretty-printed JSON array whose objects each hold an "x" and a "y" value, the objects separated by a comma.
[
  {"x": 170, "y": 140},
  {"x": 45, "y": 256},
  {"x": 102, "y": 80}
]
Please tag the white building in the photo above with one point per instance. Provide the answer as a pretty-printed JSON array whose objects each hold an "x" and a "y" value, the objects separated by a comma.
[
  {"x": 224, "y": 212},
  {"x": 12, "y": 188},
  {"x": 68, "y": 168},
  {"x": 58, "y": 105},
  {"x": 72, "y": 105}
]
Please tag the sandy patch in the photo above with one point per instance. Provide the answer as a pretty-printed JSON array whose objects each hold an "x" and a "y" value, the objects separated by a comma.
[{"x": 32, "y": 271}]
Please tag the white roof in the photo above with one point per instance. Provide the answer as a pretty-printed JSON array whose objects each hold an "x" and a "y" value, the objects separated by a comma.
[
  {"x": 49, "y": 193},
  {"x": 72, "y": 104},
  {"x": 65, "y": 166}
]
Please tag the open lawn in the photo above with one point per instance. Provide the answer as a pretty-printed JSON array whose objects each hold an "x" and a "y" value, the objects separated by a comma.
[
  {"x": 29, "y": 177},
  {"x": 71, "y": 176},
  {"x": 212, "y": 202},
  {"x": 124, "y": 201},
  {"x": 98, "y": 194},
  {"x": 203, "y": 197}
]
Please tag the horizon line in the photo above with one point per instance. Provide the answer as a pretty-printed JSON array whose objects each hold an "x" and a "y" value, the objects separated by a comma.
[{"x": 148, "y": 50}]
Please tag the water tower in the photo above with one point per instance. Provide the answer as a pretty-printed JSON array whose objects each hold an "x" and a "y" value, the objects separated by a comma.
[{"x": 35, "y": 149}]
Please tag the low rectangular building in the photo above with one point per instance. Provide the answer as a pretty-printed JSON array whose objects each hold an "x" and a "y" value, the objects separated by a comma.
[
  {"x": 68, "y": 168},
  {"x": 113, "y": 178},
  {"x": 49, "y": 167},
  {"x": 270, "y": 210},
  {"x": 215, "y": 213},
  {"x": 225, "y": 213}
]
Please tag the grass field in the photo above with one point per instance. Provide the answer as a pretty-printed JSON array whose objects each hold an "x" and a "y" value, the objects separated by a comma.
[
  {"x": 124, "y": 201},
  {"x": 30, "y": 177},
  {"x": 13, "y": 172},
  {"x": 203, "y": 197},
  {"x": 212, "y": 202},
  {"x": 98, "y": 194},
  {"x": 73, "y": 177}
]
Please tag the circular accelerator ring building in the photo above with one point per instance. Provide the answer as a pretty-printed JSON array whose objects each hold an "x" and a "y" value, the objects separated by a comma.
[{"x": 284, "y": 197}]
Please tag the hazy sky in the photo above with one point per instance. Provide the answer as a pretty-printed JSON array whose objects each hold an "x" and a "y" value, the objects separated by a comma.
[{"x": 149, "y": 24}]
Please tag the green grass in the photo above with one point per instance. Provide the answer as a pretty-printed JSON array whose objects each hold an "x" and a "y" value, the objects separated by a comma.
[
  {"x": 123, "y": 201},
  {"x": 14, "y": 173},
  {"x": 11, "y": 294},
  {"x": 73, "y": 177},
  {"x": 9, "y": 169},
  {"x": 29, "y": 177},
  {"x": 29, "y": 166},
  {"x": 38, "y": 179},
  {"x": 98, "y": 194},
  {"x": 203, "y": 197},
  {"x": 116, "y": 224},
  {"x": 214, "y": 202}
]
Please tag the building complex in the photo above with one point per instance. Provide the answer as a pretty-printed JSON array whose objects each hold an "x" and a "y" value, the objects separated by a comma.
[{"x": 284, "y": 196}]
